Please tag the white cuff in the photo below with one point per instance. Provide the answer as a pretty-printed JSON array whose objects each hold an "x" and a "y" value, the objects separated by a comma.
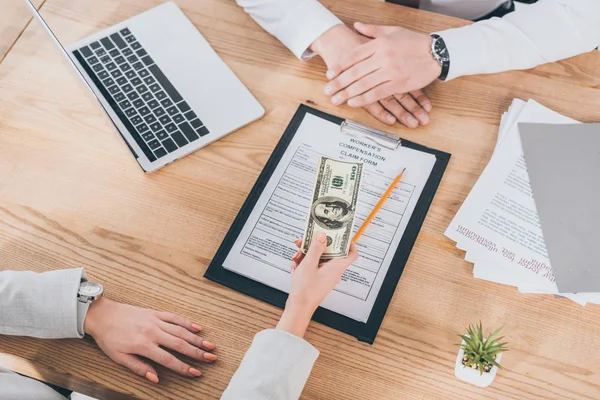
[
  {"x": 303, "y": 25},
  {"x": 467, "y": 49},
  {"x": 276, "y": 366}
]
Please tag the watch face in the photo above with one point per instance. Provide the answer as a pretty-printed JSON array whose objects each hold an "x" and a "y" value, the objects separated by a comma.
[
  {"x": 90, "y": 289},
  {"x": 441, "y": 50}
]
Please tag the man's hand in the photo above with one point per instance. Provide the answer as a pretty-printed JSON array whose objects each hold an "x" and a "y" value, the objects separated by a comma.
[
  {"x": 125, "y": 332},
  {"x": 396, "y": 61},
  {"x": 409, "y": 109}
]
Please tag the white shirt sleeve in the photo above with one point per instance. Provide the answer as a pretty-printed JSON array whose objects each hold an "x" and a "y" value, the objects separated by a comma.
[
  {"x": 547, "y": 31},
  {"x": 275, "y": 367},
  {"x": 296, "y": 23}
]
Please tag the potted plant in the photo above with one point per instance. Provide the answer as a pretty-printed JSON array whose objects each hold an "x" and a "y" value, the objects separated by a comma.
[{"x": 478, "y": 359}]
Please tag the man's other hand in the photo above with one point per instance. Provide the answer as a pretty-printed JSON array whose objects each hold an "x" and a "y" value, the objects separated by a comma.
[
  {"x": 410, "y": 109},
  {"x": 397, "y": 60}
]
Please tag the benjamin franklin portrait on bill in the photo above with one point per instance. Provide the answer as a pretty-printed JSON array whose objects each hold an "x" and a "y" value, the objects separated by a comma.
[{"x": 331, "y": 212}]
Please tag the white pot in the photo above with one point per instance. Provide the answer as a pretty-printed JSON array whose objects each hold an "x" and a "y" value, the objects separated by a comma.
[{"x": 472, "y": 375}]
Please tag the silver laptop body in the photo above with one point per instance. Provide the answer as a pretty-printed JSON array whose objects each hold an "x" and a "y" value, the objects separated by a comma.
[{"x": 165, "y": 89}]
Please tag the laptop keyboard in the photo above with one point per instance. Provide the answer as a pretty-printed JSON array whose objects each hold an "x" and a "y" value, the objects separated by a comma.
[{"x": 152, "y": 110}]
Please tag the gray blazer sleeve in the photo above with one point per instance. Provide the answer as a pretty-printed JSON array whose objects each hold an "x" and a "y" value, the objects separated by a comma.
[
  {"x": 275, "y": 367},
  {"x": 40, "y": 305}
]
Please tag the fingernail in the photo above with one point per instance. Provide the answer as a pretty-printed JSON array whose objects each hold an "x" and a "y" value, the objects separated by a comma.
[
  {"x": 195, "y": 372},
  {"x": 352, "y": 102},
  {"x": 322, "y": 237},
  {"x": 295, "y": 256},
  {"x": 196, "y": 327},
  {"x": 152, "y": 377},
  {"x": 210, "y": 356},
  {"x": 330, "y": 75},
  {"x": 336, "y": 99},
  {"x": 424, "y": 118},
  {"x": 208, "y": 344},
  {"x": 412, "y": 121},
  {"x": 390, "y": 119},
  {"x": 427, "y": 107},
  {"x": 328, "y": 90}
]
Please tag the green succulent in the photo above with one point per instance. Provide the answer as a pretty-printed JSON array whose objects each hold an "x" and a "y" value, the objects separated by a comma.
[{"x": 479, "y": 352}]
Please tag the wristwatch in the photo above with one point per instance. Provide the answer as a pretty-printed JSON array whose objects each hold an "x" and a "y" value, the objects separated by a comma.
[
  {"x": 87, "y": 293},
  {"x": 440, "y": 53}
]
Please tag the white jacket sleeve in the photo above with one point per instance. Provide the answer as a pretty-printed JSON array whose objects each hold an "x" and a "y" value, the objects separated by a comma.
[
  {"x": 40, "y": 305},
  {"x": 296, "y": 23},
  {"x": 276, "y": 367},
  {"x": 547, "y": 31}
]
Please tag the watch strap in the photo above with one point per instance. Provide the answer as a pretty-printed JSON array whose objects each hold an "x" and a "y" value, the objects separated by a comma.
[
  {"x": 445, "y": 63},
  {"x": 82, "y": 309}
]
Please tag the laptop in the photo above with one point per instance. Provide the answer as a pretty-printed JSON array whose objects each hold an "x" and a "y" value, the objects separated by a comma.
[{"x": 165, "y": 89}]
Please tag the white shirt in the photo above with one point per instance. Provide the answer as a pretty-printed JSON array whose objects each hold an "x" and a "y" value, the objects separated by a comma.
[
  {"x": 546, "y": 31},
  {"x": 465, "y": 9}
]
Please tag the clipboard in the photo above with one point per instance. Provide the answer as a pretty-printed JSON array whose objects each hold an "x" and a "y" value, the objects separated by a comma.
[{"x": 365, "y": 332}]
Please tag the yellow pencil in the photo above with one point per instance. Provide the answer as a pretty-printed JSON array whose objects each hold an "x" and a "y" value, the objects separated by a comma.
[{"x": 378, "y": 206}]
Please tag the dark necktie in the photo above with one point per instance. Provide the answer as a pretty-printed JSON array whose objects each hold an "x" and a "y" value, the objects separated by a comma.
[{"x": 408, "y": 3}]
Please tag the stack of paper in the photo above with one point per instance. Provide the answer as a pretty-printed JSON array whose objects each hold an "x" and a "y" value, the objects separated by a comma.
[{"x": 498, "y": 224}]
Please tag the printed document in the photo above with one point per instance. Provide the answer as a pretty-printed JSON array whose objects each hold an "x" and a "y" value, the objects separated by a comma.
[
  {"x": 265, "y": 245},
  {"x": 498, "y": 224},
  {"x": 500, "y": 215}
]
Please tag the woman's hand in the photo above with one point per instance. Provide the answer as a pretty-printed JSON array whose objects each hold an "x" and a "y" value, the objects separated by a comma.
[
  {"x": 125, "y": 332},
  {"x": 311, "y": 283}
]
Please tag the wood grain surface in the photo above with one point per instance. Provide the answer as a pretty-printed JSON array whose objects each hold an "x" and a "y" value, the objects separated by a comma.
[
  {"x": 71, "y": 195},
  {"x": 14, "y": 17}
]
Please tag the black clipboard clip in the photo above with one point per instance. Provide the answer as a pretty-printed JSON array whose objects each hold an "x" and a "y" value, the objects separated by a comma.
[{"x": 360, "y": 131}]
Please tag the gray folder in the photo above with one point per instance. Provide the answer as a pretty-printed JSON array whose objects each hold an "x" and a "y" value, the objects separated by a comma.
[{"x": 563, "y": 162}]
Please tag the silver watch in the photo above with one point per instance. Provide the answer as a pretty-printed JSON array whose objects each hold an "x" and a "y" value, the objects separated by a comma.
[
  {"x": 87, "y": 293},
  {"x": 440, "y": 53}
]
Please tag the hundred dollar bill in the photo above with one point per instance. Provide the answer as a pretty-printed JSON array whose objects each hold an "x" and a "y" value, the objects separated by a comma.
[{"x": 333, "y": 206}]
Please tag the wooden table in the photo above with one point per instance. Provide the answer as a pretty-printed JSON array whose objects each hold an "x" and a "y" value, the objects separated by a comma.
[
  {"x": 13, "y": 20},
  {"x": 71, "y": 195}
]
